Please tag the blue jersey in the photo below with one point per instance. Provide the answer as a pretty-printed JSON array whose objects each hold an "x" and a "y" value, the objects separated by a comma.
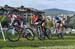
[{"x": 57, "y": 20}]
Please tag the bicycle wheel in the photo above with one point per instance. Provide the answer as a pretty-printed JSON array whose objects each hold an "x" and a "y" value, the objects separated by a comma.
[
  {"x": 61, "y": 35},
  {"x": 40, "y": 34},
  {"x": 30, "y": 34},
  {"x": 48, "y": 33},
  {"x": 12, "y": 35}
]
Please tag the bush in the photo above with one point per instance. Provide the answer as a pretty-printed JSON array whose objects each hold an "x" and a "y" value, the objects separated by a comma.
[
  {"x": 3, "y": 21},
  {"x": 29, "y": 20}
]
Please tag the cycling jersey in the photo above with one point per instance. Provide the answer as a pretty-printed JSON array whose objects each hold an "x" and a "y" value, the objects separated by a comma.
[
  {"x": 39, "y": 18},
  {"x": 57, "y": 22},
  {"x": 15, "y": 19},
  {"x": 19, "y": 17},
  {"x": 12, "y": 17},
  {"x": 34, "y": 18}
]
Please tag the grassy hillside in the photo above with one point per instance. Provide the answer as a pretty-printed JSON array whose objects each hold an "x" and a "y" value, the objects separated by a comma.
[{"x": 55, "y": 11}]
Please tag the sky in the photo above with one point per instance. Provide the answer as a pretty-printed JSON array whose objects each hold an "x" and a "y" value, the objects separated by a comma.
[{"x": 41, "y": 4}]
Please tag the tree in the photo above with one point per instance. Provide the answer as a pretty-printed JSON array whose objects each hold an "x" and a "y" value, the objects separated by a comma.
[{"x": 72, "y": 22}]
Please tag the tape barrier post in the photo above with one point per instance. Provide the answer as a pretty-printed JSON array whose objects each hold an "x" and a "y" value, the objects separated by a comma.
[{"x": 2, "y": 32}]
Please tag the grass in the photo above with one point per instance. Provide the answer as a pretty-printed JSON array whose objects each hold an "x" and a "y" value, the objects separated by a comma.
[{"x": 54, "y": 43}]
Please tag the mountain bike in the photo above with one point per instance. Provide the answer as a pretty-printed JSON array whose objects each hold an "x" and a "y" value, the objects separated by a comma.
[
  {"x": 41, "y": 32},
  {"x": 15, "y": 32},
  {"x": 48, "y": 33},
  {"x": 38, "y": 30}
]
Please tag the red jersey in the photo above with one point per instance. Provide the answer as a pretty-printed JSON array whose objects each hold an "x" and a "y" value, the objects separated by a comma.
[
  {"x": 19, "y": 17},
  {"x": 34, "y": 18}
]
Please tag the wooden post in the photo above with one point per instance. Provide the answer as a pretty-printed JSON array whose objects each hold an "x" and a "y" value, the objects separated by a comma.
[
  {"x": 26, "y": 17},
  {"x": 31, "y": 14}
]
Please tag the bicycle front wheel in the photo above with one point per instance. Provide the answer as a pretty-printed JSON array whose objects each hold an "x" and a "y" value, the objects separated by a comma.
[
  {"x": 48, "y": 33},
  {"x": 12, "y": 35},
  {"x": 30, "y": 34},
  {"x": 40, "y": 34}
]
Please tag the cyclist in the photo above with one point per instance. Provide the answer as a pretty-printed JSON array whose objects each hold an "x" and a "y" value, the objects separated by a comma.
[
  {"x": 49, "y": 22},
  {"x": 60, "y": 27},
  {"x": 57, "y": 22},
  {"x": 11, "y": 17},
  {"x": 63, "y": 24},
  {"x": 15, "y": 19},
  {"x": 38, "y": 19},
  {"x": 57, "y": 25},
  {"x": 34, "y": 18},
  {"x": 19, "y": 20}
]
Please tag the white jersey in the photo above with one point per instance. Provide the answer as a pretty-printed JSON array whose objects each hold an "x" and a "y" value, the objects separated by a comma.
[{"x": 13, "y": 18}]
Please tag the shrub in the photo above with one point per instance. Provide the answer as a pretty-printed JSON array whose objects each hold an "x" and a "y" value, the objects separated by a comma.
[{"x": 3, "y": 20}]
